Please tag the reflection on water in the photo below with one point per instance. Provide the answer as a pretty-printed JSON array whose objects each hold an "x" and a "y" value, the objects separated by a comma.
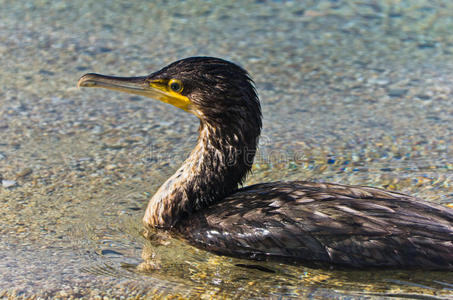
[
  {"x": 353, "y": 92},
  {"x": 178, "y": 265}
]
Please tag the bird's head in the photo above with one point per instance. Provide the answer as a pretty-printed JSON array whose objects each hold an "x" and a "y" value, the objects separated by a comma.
[{"x": 218, "y": 92}]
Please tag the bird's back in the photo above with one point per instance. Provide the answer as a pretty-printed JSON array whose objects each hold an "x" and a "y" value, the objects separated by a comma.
[{"x": 319, "y": 223}]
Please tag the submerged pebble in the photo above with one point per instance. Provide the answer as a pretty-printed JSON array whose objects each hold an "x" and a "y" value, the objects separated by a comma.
[
  {"x": 25, "y": 172},
  {"x": 397, "y": 92},
  {"x": 8, "y": 183}
]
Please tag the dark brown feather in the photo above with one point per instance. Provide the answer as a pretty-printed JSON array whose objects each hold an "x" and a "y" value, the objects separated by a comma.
[{"x": 334, "y": 224}]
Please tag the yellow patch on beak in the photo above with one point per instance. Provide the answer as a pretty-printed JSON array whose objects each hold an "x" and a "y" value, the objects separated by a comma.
[{"x": 170, "y": 93}]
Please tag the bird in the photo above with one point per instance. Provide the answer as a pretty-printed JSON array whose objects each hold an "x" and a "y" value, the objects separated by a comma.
[{"x": 302, "y": 222}]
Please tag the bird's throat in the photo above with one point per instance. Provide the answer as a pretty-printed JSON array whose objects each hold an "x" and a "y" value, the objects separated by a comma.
[{"x": 216, "y": 166}]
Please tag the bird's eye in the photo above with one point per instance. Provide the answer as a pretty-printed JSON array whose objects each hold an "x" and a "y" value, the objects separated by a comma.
[{"x": 175, "y": 85}]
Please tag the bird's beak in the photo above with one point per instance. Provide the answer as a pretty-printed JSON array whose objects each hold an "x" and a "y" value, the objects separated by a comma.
[{"x": 156, "y": 89}]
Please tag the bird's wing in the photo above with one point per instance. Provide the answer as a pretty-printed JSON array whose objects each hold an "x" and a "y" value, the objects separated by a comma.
[{"x": 330, "y": 223}]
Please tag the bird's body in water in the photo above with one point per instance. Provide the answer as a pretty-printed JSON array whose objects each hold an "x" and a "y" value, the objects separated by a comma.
[{"x": 302, "y": 222}]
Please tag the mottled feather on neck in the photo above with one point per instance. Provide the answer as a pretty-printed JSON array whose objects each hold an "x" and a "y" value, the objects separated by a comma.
[{"x": 216, "y": 166}]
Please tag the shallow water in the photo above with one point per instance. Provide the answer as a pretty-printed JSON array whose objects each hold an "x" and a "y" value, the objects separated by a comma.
[{"x": 356, "y": 92}]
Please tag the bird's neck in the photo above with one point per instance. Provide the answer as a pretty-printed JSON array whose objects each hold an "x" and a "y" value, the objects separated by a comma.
[{"x": 219, "y": 162}]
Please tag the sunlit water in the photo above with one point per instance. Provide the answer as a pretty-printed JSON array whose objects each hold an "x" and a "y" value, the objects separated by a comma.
[{"x": 356, "y": 92}]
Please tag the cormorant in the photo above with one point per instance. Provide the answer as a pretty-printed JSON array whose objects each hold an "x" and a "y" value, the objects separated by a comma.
[{"x": 302, "y": 222}]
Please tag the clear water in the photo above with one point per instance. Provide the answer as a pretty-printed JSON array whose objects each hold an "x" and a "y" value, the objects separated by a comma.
[{"x": 356, "y": 92}]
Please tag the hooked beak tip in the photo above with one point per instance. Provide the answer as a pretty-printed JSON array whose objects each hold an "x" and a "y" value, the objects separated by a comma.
[{"x": 87, "y": 80}]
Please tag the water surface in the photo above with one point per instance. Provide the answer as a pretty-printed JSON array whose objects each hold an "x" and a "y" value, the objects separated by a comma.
[{"x": 354, "y": 92}]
